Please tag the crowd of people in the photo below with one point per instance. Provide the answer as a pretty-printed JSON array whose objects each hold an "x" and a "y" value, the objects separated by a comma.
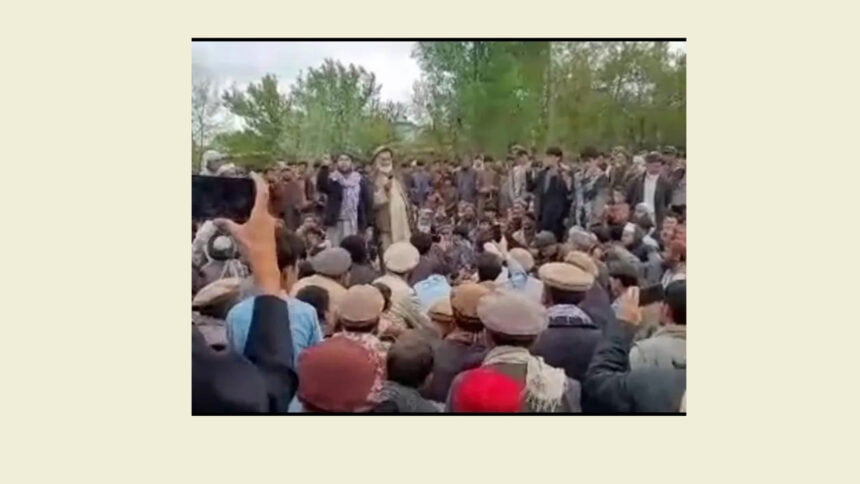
[{"x": 538, "y": 283}]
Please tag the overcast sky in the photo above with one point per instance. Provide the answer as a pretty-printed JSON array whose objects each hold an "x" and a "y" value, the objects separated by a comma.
[{"x": 244, "y": 62}]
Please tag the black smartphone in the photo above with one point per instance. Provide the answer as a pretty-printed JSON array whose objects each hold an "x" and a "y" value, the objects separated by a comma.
[
  {"x": 221, "y": 197},
  {"x": 650, "y": 295}
]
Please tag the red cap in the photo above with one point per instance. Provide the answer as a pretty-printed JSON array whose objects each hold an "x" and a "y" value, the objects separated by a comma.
[{"x": 484, "y": 390}]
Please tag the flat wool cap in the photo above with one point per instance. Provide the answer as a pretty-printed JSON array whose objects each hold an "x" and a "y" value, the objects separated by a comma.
[
  {"x": 544, "y": 238},
  {"x": 465, "y": 298},
  {"x": 360, "y": 303},
  {"x": 583, "y": 261},
  {"x": 332, "y": 262},
  {"x": 523, "y": 258},
  {"x": 379, "y": 150},
  {"x": 441, "y": 310},
  {"x": 566, "y": 277},
  {"x": 217, "y": 292},
  {"x": 401, "y": 257},
  {"x": 512, "y": 313}
]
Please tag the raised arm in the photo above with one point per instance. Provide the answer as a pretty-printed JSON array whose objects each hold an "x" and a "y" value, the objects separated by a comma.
[
  {"x": 607, "y": 379},
  {"x": 269, "y": 344}
]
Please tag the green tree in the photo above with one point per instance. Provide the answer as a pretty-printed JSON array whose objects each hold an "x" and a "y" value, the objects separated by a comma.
[
  {"x": 340, "y": 109},
  {"x": 265, "y": 113},
  {"x": 484, "y": 94}
]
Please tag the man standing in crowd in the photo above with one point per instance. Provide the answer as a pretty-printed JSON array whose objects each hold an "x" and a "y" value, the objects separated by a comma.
[
  {"x": 552, "y": 194},
  {"x": 390, "y": 201},
  {"x": 420, "y": 184},
  {"x": 467, "y": 182},
  {"x": 488, "y": 184},
  {"x": 349, "y": 200},
  {"x": 519, "y": 174},
  {"x": 670, "y": 158},
  {"x": 651, "y": 188},
  {"x": 678, "y": 178},
  {"x": 595, "y": 189}
]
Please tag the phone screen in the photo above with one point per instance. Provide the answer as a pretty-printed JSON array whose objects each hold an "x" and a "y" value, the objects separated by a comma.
[{"x": 221, "y": 197}]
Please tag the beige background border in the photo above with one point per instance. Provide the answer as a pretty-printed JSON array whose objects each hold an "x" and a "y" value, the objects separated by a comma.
[{"x": 96, "y": 148}]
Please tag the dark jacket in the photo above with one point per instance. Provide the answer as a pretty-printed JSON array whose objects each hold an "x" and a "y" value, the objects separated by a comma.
[
  {"x": 466, "y": 182},
  {"x": 598, "y": 306},
  {"x": 449, "y": 359},
  {"x": 662, "y": 195},
  {"x": 270, "y": 348},
  {"x": 428, "y": 264},
  {"x": 362, "y": 274},
  {"x": 223, "y": 382},
  {"x": 568, "y": 343},
  {"x": 420, "y": 186},
  {"x": 397, "y": 398},
  {"x": 611, "y": 387},
  {"x": 552, "y": 202},
  {"x": 334, "y": 191}
]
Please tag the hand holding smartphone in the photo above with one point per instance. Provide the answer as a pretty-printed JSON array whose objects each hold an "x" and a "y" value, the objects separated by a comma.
[{"x": 221, "y": 197}]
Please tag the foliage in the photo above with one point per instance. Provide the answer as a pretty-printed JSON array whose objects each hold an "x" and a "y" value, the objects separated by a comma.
[
  {"x": 265, "y": 112},
  {"x": 473, "y": 96},
  {"x": 481, "y": 96},
  {"x": 331, "y": 108}
]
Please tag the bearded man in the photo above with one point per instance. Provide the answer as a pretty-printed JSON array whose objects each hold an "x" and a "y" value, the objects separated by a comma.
[{"x": 391, "y": 205}]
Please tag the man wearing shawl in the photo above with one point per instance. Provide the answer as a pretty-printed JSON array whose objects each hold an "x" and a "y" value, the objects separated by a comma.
[
  {"x": 349, "y": 202},
  {"x": 390, "y": 201},
  {"x": 463, "y": 346},
  {"x": 513, "y": 322}
]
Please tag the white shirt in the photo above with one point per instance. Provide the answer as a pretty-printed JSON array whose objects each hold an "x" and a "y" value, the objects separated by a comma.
[{"x": 650, "y": 189}]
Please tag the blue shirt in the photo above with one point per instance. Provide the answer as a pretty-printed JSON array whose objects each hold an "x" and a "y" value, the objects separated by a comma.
[
  {"x": 304, "y": 325},
  {"x": 430, "y": 290}
]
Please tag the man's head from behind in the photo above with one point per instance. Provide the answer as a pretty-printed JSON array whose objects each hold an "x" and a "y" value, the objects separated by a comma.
[
  {"x": 290, "y": 250},
  {"x": 357, "y": 248},
  {"x": 410, "y": 360},
  {"x": 422, "y": 241},
  {"x": 674, "y": 307},
  {"x": 489, "y": 267}
]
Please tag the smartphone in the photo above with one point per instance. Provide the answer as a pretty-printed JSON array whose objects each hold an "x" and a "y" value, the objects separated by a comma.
[
  {"x": 221, "y": 197},
  {"x": 650, "y": 295}
]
